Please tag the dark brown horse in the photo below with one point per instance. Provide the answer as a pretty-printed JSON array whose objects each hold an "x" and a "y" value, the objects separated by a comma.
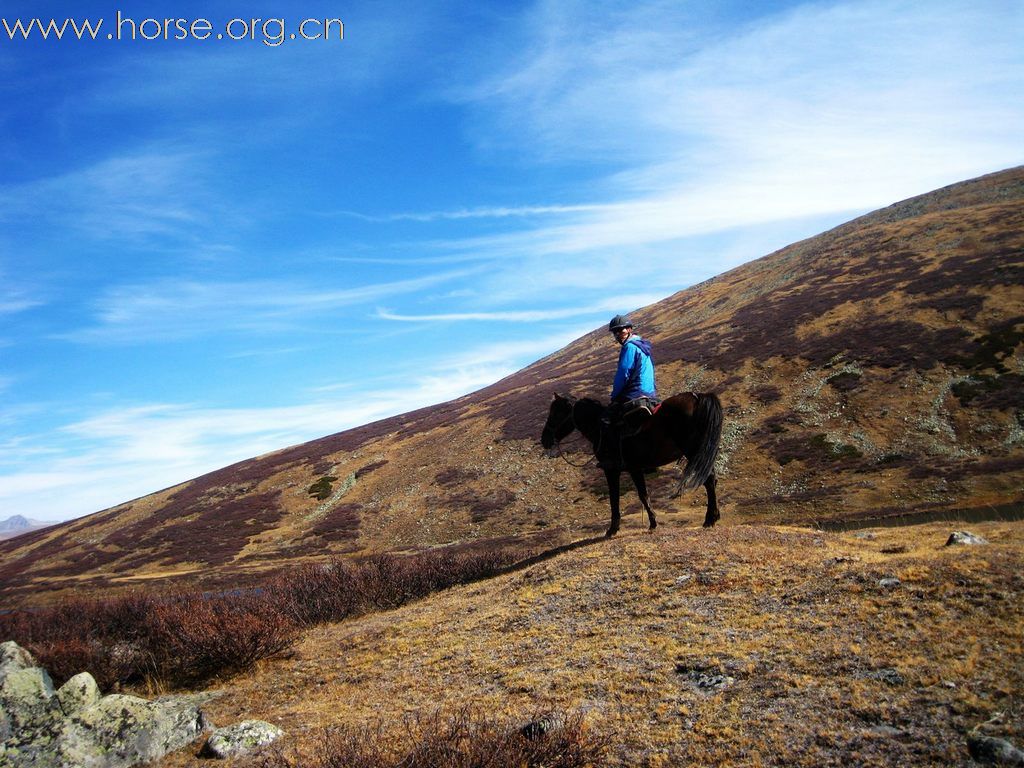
[{"x": 687, "y": 425}]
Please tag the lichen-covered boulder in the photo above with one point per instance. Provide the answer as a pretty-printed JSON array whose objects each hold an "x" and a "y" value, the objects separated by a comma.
[
  {"x": 77, "y": 728},
  {"x": 241, "y": 737},
  {"x": 26, "y": 691},
  {"x": 78, "y": 693},
  {"x": 120, "y": 731}
]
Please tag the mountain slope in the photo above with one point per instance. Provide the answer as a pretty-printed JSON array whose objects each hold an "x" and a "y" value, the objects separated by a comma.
[{"x": 875, "y": 369}]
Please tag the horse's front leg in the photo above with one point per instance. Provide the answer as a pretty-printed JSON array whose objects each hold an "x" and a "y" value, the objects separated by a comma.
[
  {"x": 713, "y": 514},
  {"x": 645, "y": 499},
  {"x": 612, "y": 476}
]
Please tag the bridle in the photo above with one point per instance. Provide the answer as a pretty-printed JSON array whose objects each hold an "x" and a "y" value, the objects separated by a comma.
[{"x": 575, "y": 428}]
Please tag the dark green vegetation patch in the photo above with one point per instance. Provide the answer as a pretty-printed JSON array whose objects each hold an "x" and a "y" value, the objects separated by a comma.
[{"x": 321, "y": 489}]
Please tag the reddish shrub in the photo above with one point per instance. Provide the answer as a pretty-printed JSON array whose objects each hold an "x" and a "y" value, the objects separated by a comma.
[
  {"x": 195, "y": 638},
  {"x": 465, "y": 739},
  {"x": 317, "y": 594},
  {"x": 189, "y": 638}
]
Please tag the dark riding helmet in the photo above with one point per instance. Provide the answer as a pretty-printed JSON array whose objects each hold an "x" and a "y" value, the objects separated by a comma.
[{"x": 618, "y": 322}]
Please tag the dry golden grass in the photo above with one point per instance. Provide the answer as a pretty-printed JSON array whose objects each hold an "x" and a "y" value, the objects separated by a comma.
[{"x": 743, "y": 645}]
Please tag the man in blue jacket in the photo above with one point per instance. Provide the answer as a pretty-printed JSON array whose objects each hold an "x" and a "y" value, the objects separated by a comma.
[
  {"x": 634, "y": 378},
  {"x": 634, "y": 394}
]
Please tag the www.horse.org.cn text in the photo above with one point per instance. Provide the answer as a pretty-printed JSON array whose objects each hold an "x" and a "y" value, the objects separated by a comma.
[{"x": 271, "y": 32}]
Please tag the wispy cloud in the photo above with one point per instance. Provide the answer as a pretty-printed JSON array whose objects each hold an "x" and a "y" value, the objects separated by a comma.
[
  {"x": 178, "y": 309},
  {"x": 141, "y": 195},
  {"x": 616, "y": 303},
  {"x": 809, "y": 115},
  {"x": 493, "y": 212},
  {"x": 13, "y": 303}
]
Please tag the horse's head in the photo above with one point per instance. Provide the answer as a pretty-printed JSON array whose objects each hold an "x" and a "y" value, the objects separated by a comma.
[{"x": 560, "y": 422}]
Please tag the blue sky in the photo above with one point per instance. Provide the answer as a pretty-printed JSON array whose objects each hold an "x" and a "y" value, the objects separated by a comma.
[{"x": 212, "y": 249}]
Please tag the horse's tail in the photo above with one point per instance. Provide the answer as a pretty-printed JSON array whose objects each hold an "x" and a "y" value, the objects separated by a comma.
[{"x": 707, "y": 427}]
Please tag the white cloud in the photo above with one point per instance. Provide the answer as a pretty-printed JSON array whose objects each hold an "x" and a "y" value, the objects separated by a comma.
[
  {"x": 493, "y": 212},
  {"x": 817, "y": 113},
  {"x": 12, "y": 304},
  {"x": 147, "y": 194},
  {"x": 178, "y": 309},
  {"x": 616, "y": 303}
]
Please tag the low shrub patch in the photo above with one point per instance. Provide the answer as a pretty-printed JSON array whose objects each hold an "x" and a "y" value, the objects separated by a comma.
[
  {"x": 189, "y": 638},
  {"x": 465, "y": 739}
]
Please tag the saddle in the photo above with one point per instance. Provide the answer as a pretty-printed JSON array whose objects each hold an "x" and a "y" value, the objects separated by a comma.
[{"x": 633, "y": 415}]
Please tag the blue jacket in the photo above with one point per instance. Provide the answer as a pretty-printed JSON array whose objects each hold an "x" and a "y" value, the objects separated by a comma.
[{"x": 635, "y": 375}]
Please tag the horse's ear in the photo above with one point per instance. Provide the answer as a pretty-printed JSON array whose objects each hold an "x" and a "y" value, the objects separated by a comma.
[{"x": 556, "y": 396}]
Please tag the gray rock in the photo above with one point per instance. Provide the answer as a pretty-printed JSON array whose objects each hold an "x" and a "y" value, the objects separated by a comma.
[
  {"x": 707, "y": 678},
  {"x": 26, "y": 691},
  {"x": 987, "y": 749},
  {"x": 714, "y": 682},
  {"x": 240, "y": 738},
  {"x": 76, "y": 728},
  {"x": 13, "y": 656},
  {"x": 891, "y": 583},
  {"x": 80, "y": 692},
  {"x": 964, "y": 538},
  {"x": 121, "y": 731}
]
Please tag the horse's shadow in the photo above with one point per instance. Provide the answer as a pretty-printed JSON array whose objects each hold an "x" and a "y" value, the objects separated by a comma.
[{"x": 548, "y": 554}]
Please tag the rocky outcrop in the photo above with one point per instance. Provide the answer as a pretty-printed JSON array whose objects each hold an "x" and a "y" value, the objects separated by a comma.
[
  {"x": 76, "y": 727},
  {"x": 240, "y": 738}
]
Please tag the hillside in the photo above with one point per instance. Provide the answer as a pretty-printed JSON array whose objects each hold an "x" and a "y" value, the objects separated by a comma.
[
  {"x": 743, "y": 645},
  {"x": 871, "y": 371}
]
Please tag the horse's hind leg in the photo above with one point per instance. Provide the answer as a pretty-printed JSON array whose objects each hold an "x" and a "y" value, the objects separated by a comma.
[
  {"x": 641, "y": 490},
  {"x": 612, "y": 476},
  {"x": 713, "y": 514}
]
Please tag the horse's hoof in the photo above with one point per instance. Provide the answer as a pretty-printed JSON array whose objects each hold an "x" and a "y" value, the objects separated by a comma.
[
  {"x": 652, "y": 527},
  {"x": 709, "y": 522},
  {"x": 611, "y": 532}
]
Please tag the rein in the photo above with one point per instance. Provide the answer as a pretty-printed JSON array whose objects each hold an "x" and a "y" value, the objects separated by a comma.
[{"x": 576, "y": 428}]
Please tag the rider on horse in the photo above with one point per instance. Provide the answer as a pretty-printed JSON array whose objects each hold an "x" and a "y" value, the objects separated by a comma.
[
  {"x": 634, "y": 394},
  {"x": 634, "y": 378}
]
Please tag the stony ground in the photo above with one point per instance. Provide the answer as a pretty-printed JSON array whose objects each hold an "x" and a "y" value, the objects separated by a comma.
[{"x": 744, "y": 645}]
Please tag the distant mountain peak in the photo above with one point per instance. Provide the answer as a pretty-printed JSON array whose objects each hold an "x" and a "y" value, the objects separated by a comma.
[{"x": 19, "y": 523}]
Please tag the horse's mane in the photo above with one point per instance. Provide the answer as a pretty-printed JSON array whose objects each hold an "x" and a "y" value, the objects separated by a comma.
[{"x": 592, "y": 404}]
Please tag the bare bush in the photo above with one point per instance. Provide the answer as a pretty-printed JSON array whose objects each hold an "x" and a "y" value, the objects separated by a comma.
[
  {"x": 464, "y": 739},
  {"x": 189, "y": 638},
  {"x": 194, "y": 638}
]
